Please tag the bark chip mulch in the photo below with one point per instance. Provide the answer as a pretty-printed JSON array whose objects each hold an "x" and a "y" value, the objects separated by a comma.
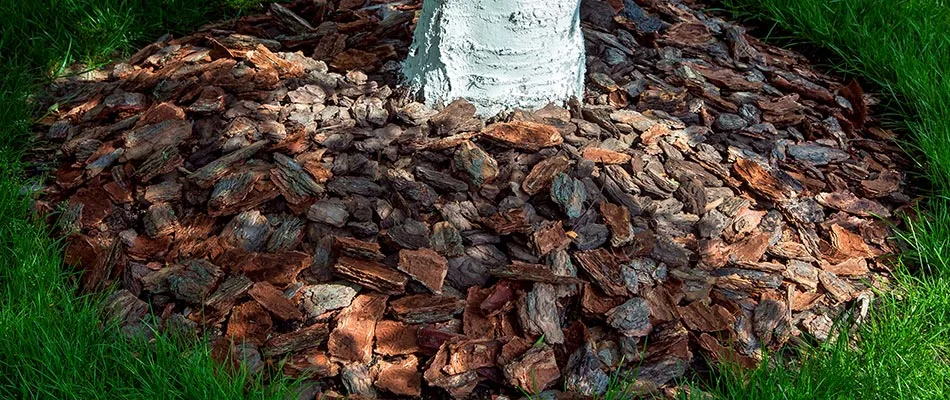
[{"x": 268, "y": 183}]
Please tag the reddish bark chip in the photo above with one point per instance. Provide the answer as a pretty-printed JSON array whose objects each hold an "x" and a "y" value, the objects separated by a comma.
[
  {"x": 887, "y": 182},
  {"x": 475, "y": 323},
  {"x": 535, "y": 371},
  {"x": 299, "y": 339},
  {"x": 394, "y": 338},
  {"x": 95, "y": 205},
  {"x": 400, "y": 377},
  {"x": 280, "y": 269},
  {"x": 750, "y": 249},
  {"x": 311, "y": 363},
  {"x": 513, "y": 349},
  {"x": 851, "y": 204},
  {"x": 805, "y": 301},
  {"x": 595, "y": 303},
  {"x": 838, "y": 288},
  {"x": 524, "y": 135},
  {"x": 470, "y": 355},
  {"x": 263, "y": 57},
  {"x": 352, "y": 339},
  {"x": 763, "y": 180},
  {"x": 604, "y": 268},
  {"x": 431, "y": 339},
  {"x": 705, "y": 318},
  {"x": 424, "y": 308},
  {"x": 543, "y": 173},
  {"x": 354, "y": 59},
  {"x": 724, "y": 354},
  {"x": 782, "y": 110},
  {"x": 726, "y": 78},
  {"x": 458, "y": 116},
  {"x": 351, "y": 247},
  {"x": 425, "y": 266},
  {"x": 550, "y": 237},
  {"x": 458, "y": 385},
  {"x": 617, "y": 219},
  {"x": 498, "y": 299},
  {"x": 118, "y": 193},
  {"x": 249, "y": 323},
  {"x": 159, "y": 112},
  {"x": 849, "y": 267},
  {"x": 604, "y": 156},
  {"x": 142, "y": 247},
  {"x": 850, "y": 244},
  {"x": 274, "y": 301},
  {"x": 512, "y": 220},
  {"x": 371, "y": 274}
]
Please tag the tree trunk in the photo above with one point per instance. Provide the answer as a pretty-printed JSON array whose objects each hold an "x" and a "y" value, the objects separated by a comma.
[{"x": 498, "y": 54}]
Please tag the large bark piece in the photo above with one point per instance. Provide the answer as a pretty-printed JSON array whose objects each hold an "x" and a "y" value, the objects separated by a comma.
[
  {"x": 352, "y": 338},
  {"x": 371, "y": 274}
]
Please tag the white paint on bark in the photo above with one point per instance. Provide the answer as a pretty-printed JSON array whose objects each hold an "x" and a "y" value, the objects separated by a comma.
[{"x": 498, "y": 54}]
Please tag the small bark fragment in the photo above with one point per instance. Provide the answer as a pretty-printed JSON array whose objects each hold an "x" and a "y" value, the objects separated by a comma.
[
  {"x": 425, "y": 266},
  {"x": 543, "y": 173},
  {"x": 426, "y": 309},
  {"x": 274, "y": 301},
  {"x": 478, "y": 165},
  {"x": 395, "y": 338},
  {"x": 524, "y": 135},
  {"x": 535, "y": 371},
  {"x": 400, "y": 377},
  {"x": 249, "y": 323},
  {"x": 550, "y": 237},
  {"x": 371, "y": 274},
  {"x": 295, "y": 341}
]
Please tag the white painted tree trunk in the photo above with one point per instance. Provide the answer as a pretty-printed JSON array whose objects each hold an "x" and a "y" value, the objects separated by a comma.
[{"x": 498, "y": 54}]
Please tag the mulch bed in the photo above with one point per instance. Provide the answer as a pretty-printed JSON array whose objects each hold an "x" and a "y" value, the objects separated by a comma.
[{"x": 268, "y": 183}]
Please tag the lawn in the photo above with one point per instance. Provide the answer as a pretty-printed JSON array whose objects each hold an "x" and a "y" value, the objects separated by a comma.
[
  {"x": 901, "y": 49},
  {"x": 53, "y": 344}
]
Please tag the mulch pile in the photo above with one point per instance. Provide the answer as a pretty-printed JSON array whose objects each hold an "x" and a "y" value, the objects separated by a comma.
[{"x": 267, "y": 181}]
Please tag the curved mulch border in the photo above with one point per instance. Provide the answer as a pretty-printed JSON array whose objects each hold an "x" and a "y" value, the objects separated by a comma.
[{"x": 711, "y": 197}]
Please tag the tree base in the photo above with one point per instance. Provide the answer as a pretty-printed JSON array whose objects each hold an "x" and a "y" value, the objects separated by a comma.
[{"x": 498, "y": 54}]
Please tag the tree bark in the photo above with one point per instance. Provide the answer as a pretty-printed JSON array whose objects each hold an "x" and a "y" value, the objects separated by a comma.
[{"x": 498, "y": 54}]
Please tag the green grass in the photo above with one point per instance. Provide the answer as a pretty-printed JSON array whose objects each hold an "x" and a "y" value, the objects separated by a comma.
[
  {"x": 53, "y": 344},
  {"x": 903, "y": 49}
]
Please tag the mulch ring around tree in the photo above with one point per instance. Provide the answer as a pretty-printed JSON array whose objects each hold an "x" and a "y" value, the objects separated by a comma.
[{"x": 267, "y": 183}]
